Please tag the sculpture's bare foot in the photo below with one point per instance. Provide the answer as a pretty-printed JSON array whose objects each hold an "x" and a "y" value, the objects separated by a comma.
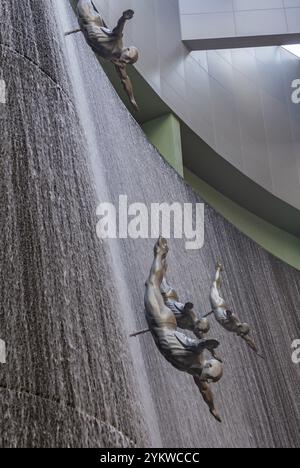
[
  {"x": 161, "y": 247},
  {"x": 128, "y": 14},
  {"x": 211, "y": 344},
  {"x": 216, "y": 415},
  {"x": 219, "y": 266},
  {"x": 208, "y": 344}
]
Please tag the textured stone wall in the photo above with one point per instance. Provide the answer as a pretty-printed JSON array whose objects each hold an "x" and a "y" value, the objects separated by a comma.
[{"x": 68, "y": 379}]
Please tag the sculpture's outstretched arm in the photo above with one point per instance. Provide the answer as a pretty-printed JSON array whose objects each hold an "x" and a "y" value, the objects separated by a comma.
[
  {"x": 219, "y": 269},
  {"x": 127, "y": 15},
  {"x": 121, "y": 70},
  {"x": 251, "y": 345},
  {"x": 216, "y": 298},
  {"x": 208, "y": 397},
  {"x": 97, "y": 11}
]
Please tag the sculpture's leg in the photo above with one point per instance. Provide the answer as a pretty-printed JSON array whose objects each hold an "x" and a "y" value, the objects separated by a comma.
[
  {"x": 215, "y": 297},
  {"x": 165, "y": 268},
  {"x": 154, "y": 299},
  {"x": 86, "y": 10},
  {"x": 208, "y": 397},
  {"x": 159, "y": 264}
]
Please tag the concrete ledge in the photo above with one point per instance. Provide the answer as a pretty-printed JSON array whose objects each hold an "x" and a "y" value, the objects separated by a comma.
[{"x": 217, "y": 43}]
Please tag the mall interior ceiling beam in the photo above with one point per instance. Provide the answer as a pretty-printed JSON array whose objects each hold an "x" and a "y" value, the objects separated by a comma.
[
  {"x": 240, "y": 23},
  {"x": 217, "y": 43}
]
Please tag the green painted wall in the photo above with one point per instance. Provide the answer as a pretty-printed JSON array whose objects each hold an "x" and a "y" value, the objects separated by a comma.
[
  {"x": 276, "y": 241},
  {"x": 164, "y": 133}
]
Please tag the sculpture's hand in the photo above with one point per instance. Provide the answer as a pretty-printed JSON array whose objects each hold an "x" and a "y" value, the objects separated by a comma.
[
  {"x": 216, "y": 415},
  {"x": 128, "y": 14},
  {"x": 134, "y": 104},
  {"x": 188, "y": 307}
]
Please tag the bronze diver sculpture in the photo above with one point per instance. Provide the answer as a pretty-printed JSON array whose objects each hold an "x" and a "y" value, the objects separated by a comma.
[
  {"x": 225, "y": 317},
  {"x": 184, "y": 353},
  {"x": 108, "y": 43}
]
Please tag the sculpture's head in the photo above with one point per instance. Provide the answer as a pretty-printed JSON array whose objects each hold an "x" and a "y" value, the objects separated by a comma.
[
  {"x": 129, "y": 55},
  {"x": 212, "y": 371},
  {"x": 201, "y": 328}
]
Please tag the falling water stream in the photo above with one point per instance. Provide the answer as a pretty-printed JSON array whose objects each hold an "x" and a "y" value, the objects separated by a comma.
[{"x": 94, "y": 144}]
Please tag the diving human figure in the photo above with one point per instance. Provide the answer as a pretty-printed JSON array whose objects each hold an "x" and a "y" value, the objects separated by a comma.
[
  {"x": 184, "y": 353},
  {"x": 108, "y": 43},
  {"x": 224, "y": 316}
]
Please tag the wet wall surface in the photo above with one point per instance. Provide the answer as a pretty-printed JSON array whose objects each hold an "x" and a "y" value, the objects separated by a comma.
[
  {"x": 68, "y": 379},
  {"x": 69, "y": 301}
]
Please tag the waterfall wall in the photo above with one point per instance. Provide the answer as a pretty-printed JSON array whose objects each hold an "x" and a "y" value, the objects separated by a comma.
[{"x": 68, "y": 380}]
